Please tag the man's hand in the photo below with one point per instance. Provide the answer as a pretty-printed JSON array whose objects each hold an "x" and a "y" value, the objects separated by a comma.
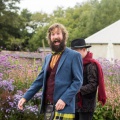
[
  {"x": 60, "y": 105},
  {"x": 21, "y": 102}
]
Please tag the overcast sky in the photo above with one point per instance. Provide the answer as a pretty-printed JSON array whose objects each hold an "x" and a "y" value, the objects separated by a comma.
[{"x": 47, "y": 6}]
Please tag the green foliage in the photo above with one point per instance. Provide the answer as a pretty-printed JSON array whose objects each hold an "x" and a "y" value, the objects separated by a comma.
[
  {"x": 104, "y": 14},
  {"x": 26, "y": 31},
  {"x": 110, "y": 111},
  {"x": 26, "y": 15},
  {"x": 36, "y": 41},
  {"x": 10, "y": 21},
  {"x": 19, "y": 115},
  {"x": 103, "y": 113}
]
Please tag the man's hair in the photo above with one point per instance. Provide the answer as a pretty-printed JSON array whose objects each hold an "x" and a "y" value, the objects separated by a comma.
[{"x": 59, "y": 26}]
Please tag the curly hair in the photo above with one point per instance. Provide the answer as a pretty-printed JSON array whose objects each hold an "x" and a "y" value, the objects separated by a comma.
[{"x": 59, "y": 26}]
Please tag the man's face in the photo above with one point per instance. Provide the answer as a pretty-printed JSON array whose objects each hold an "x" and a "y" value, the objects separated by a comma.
[
  {"x": 82, "y": 51},
  {"x": 57, "y": 43}
]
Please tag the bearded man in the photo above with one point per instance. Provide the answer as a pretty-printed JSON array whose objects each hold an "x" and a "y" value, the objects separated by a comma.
[{"x": 60, "y": 78}]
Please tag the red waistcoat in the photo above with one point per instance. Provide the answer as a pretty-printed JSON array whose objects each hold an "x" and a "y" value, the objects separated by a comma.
[{"x": 50, "y": 82}]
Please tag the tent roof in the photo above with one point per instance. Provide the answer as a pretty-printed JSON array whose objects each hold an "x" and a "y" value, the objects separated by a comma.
[{"x": 109, "y": 34}]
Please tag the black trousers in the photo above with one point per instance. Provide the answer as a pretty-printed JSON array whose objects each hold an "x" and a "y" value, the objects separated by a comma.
[{"x": 83, "y": 115}]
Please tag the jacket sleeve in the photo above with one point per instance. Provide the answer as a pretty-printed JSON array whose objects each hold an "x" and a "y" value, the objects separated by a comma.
[{"x": 91, "y": 78}]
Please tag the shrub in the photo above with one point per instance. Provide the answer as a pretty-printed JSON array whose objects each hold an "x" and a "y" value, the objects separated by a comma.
[{"x": 111, "y": 110}]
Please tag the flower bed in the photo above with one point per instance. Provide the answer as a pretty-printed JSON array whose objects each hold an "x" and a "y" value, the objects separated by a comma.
[{"x": 17, "y": 74}]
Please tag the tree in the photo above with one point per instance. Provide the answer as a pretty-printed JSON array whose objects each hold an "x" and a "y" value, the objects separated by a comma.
[
  {"x": 104, "y": 14},
  {"x": 10, "y": 22}
]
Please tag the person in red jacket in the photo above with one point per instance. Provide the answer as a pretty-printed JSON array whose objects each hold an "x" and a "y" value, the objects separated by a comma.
[{"x": 93, "y": 80}]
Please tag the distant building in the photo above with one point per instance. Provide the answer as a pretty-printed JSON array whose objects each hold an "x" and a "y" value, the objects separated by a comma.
[{"x": 106, "y": 39}]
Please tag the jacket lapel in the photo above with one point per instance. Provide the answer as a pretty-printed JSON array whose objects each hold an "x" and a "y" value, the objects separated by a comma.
[
  {"x": 63, "y": 57},
  {"x": 48, "y": 61}
]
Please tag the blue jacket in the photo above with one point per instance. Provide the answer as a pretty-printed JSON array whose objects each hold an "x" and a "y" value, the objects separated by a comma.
[{"x": 68, "y": 80}]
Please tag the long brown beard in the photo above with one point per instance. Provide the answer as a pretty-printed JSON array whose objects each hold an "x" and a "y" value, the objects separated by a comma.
[{"x": 57, "y": 48}]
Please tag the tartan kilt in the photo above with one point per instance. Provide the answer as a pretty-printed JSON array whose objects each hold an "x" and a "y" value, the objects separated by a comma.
[{"x": 64, "y": 116}]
